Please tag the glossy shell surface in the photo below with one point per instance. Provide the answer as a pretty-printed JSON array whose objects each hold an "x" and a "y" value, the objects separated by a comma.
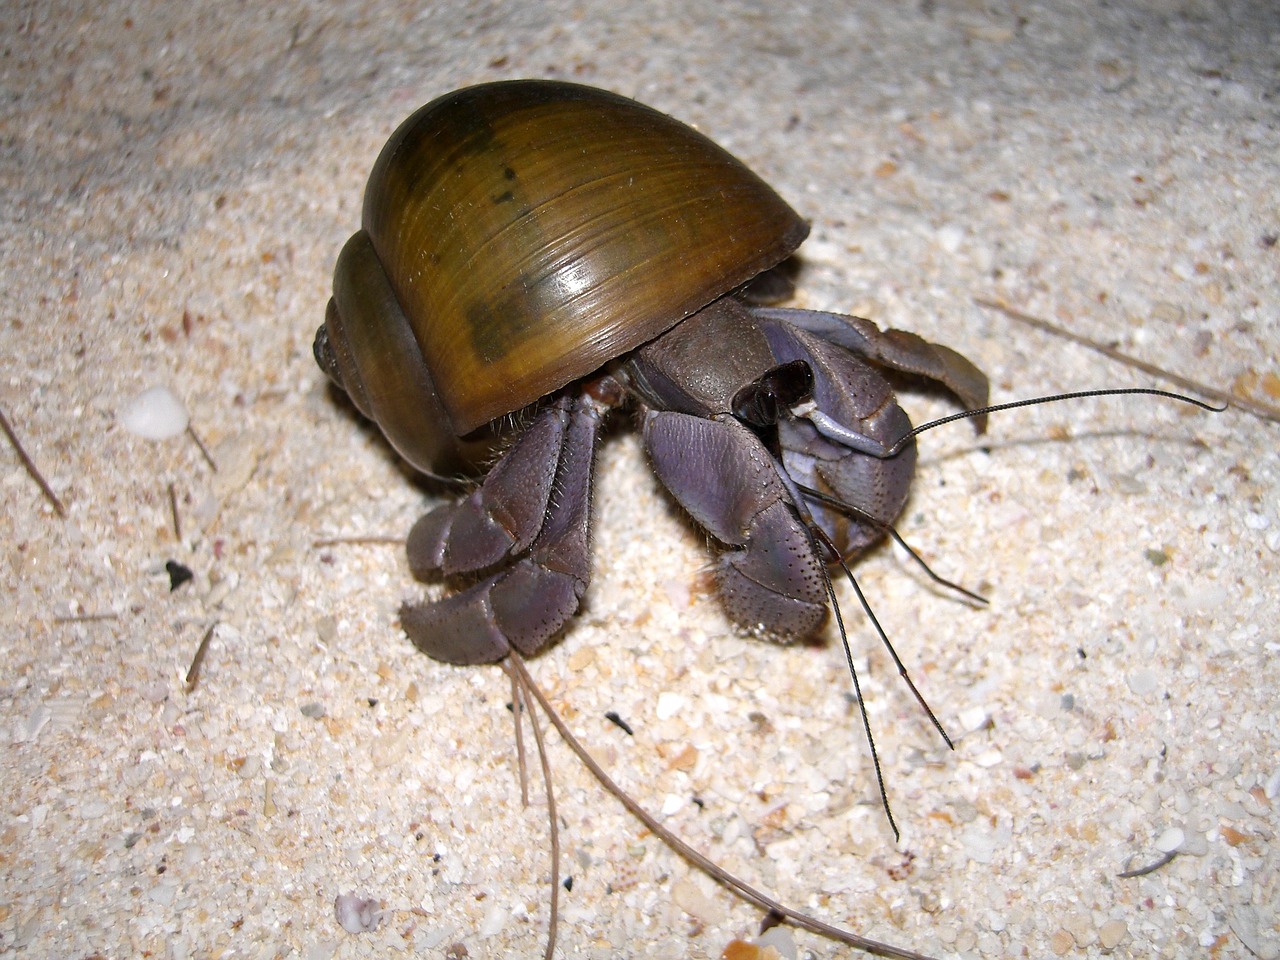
[{"x": 534, "y": 230}]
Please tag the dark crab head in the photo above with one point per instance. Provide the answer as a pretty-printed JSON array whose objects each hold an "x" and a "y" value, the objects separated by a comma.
[{"x": 762, "y": 402}]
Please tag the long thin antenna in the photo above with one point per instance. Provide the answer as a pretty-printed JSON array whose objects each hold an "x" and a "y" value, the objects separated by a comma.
[
  {"x": 817, "y": 535},
  {"x": 1255, "y": 407},
  {"x": 857, "y": 692},
  {"x": 902, "y": 668},
  {"x": 816, "y": 531},
  {"x": 1036, "y": 401},
  {"x": 849, "y": 510}
]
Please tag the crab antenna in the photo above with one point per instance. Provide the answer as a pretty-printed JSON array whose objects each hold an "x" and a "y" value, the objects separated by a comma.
[
  {"x": 1034, "y": 401},
  {"x": 849, "y": 510},
  {"x": 884, "y": 637},
  {"x": 857, "y": 690},
  {"x": 816, "y": 535}
]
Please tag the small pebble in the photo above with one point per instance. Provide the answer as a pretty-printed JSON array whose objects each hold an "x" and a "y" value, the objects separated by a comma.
[
  {"x": 689, "y": 897},
  {"x": 1244, "y": 924},
  {"x": 950, "y": 237},
  {"x": 1170, "y": 840},
  {"x": 1128, "y": 484},
  {"x": 1142, "y": 682},
  {"x": 1080, "y": 927},
  {"x": 1111, "y": 933},
  {"x": 178, "y": 574},
  {"x": 155, "y": 414},
  {"x": 982, "y": 843},
  {"x": 989, "y": 758},
  {"x": 1256, "y": 521},
  {"x": 779, "y": 938},
  {"x": 672, "y": 804},
  {"x": 669, "y": 705},
  {"x": 251, "y": 767},
  {"x": 1272, "y": 788},
  {"x": 774, "y": 944},
  {"x": 356, "y": 914},
  {"x": 163, "y": 894},
  {"x": 94, "y": 809},
  {"x": 1061, "y": 942},
  {"x": 495, "y": 921},
  {"x": 974, "y": 718}
]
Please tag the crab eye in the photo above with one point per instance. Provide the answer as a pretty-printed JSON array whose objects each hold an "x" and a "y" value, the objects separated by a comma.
[{"x": 758, "y": 403}]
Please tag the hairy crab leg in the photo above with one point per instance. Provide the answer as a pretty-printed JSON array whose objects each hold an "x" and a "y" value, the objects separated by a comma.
[{"x": 525, "y": 604}]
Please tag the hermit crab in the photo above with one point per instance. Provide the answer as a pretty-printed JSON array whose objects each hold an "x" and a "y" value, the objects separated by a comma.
[{"x": 535, "y": 254}]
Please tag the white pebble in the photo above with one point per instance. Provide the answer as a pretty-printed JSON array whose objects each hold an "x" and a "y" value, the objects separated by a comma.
[
  {"x": 669, "y": 705},
  {"x": 155, "y": 414},
  {"x": 672, "y": 804},
  {"x": 989, "y": 758},
  {"x": 163, "y": 894},
  {"x": 495, "y": 919},
  {"x": 781, "y": 940},
  {"x": 1256, "y": 521},
  {"x": 1170, "y": 840},
  {"x": 1196, "y": 844},
  {"x": 94, "y": 809},
  {"x": 1142, "y": 682},
  {"x": 690, "y": 898},
  {"x": 1244, "y": 924},
  {"x": 974, "y": 718},
  {"x": 982, "y": 844},
  {"x": 356, "y": 914},
  {"x": 950, "y": 237},
  {"x": 36, "y": 722}
]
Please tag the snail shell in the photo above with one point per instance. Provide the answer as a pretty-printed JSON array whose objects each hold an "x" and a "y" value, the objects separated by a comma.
[{"x": 518, "y": 236}]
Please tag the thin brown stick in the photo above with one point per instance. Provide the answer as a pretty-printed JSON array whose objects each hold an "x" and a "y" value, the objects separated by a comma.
[
  {"x": 346, "y": 541},
  {"x": 1255, "y": 407},
  {"x": 173, "y": 512},
  {"x": 523, "y": 681},
  {"x": 86, "y": 617},
  {"x": 30, "y": 467},
  {"x": 517, "y": 711},
  {"x": 710, "y": 868},
  {"x": 193, "y": 673},
  {"x": 204, "y": 451}
]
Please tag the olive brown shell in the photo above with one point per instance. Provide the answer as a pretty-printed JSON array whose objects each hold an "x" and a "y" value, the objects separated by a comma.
[{"x": 523, "y": 234}]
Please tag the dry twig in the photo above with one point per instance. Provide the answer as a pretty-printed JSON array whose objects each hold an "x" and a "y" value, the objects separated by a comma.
[
  {"x": 709, "y": 867},
  {"x": 30, "y": 467}
]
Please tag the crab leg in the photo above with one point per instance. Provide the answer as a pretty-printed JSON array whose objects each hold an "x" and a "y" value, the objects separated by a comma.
[{"x": 523, "y": 605}]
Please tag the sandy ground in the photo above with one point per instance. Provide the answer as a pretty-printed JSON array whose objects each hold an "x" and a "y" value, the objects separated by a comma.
[{"x": 176, "y": 182}]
